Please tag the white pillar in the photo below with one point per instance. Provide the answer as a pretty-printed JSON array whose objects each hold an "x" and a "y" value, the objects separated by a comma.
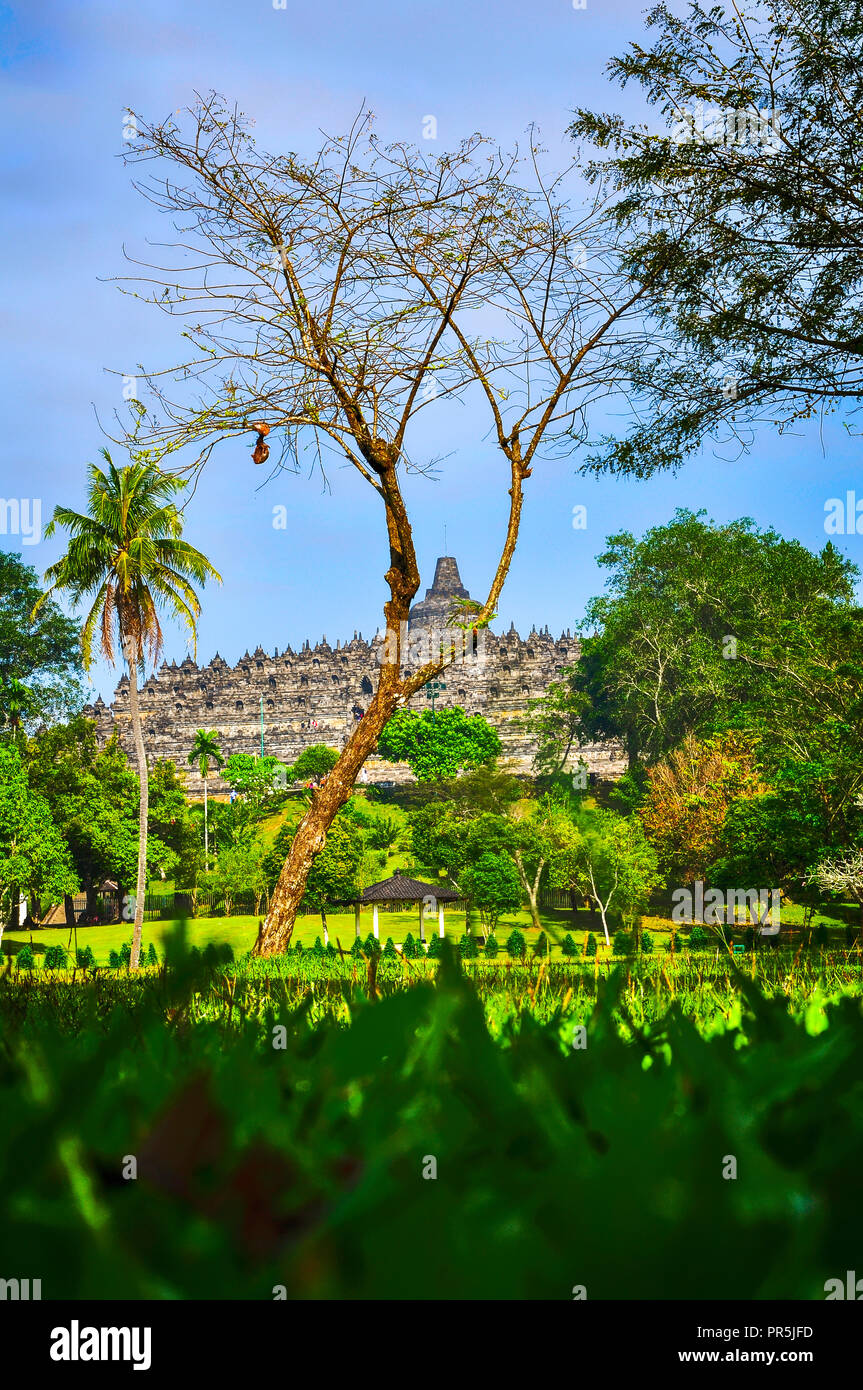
[
  {"x": 375, "y": 922},
  {"x": 422, "y": 925},
  {"x": 440, "y": 918},
  {"x": 357, "y": 918}
]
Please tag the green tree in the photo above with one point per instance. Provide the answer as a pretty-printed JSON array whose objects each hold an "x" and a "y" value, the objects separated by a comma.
[
  {"x": 93, "y": 795},
  {"x": 253, "y": 777},
  {"x": 493, "y": 885},
  {"x": 313, "y": 763},
  {"x": 543, "y": 831},
  {"x": 206, "y": 751},
  {"x": 705, "y": 627},
  {"x": 16, "y": 704},
  {"x": 127, "y": 555},
  {"x": 34, "y": 858},
  {"x": 439, "y": 836},
  {"x": 241, "y": 868},
  {"x": 516, "y": 946},
  {"x": 743, "y": 216},
  {"x": 173, "y": 835},
  {"x": 40, "y": 650},
  {"x": 688, "y": 798},
  {"x": 439, "y": 747},
  {"x": 612, "y": 862},
  {"x": 555, "y": 722}
]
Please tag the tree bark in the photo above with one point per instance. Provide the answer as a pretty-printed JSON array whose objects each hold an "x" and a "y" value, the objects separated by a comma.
[
  {"x": 143, "y": 808},
  {"x": 311, "y": 834},
  {"x": 531, "y": 889}
]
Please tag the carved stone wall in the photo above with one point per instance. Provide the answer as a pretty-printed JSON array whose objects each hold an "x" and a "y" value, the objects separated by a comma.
[{"x": 315, "y": 695}]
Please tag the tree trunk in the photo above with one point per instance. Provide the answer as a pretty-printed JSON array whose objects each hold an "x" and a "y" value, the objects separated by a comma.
[
  {"x": 311, "y": 834},
  {"x": 206, "y": 832},
  {"x": 531, "y": 890},
  {"x": 143, "y": 807}
]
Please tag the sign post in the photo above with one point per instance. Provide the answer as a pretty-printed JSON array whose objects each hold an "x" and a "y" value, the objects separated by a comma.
[{"x": 432, "y": 691}]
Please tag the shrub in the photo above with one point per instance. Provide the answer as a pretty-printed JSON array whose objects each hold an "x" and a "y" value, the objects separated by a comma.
[
  {"x": 409, "y": 947},
  {"x": 85, "y": 958},
  {"x": 698, "y": 938},
  {"x": 516, "y": 945},
  {"x": 434, "y": 946},
  {"x": 299, "y": 948},
  {"x": 153, "y": 959},
  {"x": 568, "y": 946},
  {"x": 55, "y": 958},
  {"x": 491, "y": 947},
  {"x": 126, "y": 953},
  {"x": 371, "y": 945},
  {"x": 25, "y": 958},
  {"x": 210, "y": 955},
  {"x": 356, "y": 948},
  {"x": 113, "y": 960},
  {"x": 646, "y": 943},
  {"x": 389, "y": 951},
  {"x": 318, "y": 948},
  {"x": 622, "y": 944},
  {"x": 468, "y": 949},
  {"x": 540, "y": 946},
  {"x": 590, "y": 947}
]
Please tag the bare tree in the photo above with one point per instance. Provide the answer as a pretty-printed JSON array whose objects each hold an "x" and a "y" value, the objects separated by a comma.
[
  {"x": 841, "y": 874},
  {"x": 334, "y": 299}
]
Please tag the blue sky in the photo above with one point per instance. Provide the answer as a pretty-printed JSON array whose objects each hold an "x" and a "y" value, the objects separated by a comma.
[{"x": 69, "y": 71}]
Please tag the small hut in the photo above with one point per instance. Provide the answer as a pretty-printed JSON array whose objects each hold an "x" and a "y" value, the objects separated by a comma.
[{"x": 397, "y": 892}]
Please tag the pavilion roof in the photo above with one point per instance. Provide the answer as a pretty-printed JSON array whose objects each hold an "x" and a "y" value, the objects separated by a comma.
[{"x": 401, "y": 889}]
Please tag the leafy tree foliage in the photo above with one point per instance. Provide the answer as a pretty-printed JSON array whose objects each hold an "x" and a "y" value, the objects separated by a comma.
[
  {"x": 493, "y": 885},
  {"x": 313, "y": 762},
  {"x": 94, "y": 800},
  {"x": 609, "y": 860},
  {"x": 33, "y": 855},
  {"x": 254, "y": 778},
  {"x": 744, "y": 219},
  {"x": 688, "y": 797},
  {"x": 516, "y": 946},
  {"x": 41, "y": 651},
  {"x": 438, "y": 747},
  {"x": 705, "y": 626}
]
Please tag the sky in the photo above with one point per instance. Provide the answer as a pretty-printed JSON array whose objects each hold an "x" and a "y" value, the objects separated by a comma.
[{"x": 70, "y": 215}]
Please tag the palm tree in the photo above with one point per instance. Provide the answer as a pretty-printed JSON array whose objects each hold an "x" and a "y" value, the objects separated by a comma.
[
  {"x": 16, "y": 703},
  {"x": 126, "y": 553},
  {"x": 206, "y": 749}
]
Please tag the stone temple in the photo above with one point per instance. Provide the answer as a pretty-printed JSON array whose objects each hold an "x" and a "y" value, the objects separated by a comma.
[{"x": 317, "y": 694}]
